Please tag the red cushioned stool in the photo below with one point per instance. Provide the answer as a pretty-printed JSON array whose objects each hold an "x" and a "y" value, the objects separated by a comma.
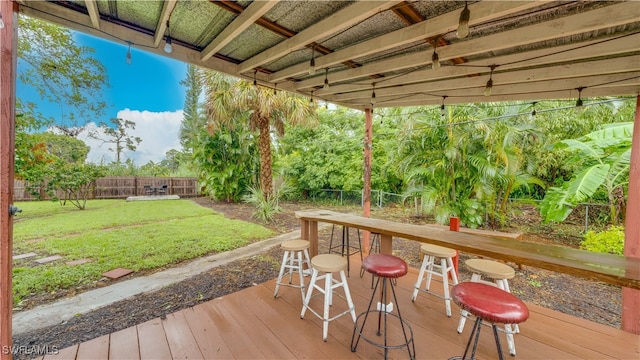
[
  {"x": 490, "y": 304},
  {"x": 385, "y": 268}
]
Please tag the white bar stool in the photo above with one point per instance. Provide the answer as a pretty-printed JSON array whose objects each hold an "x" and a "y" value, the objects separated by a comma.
[
  {"x": 441, "y": 259},
  {"x": 294, "y": 251},
  {"x": 499, "y": 274},
  {"x": 328, "y": 264}
]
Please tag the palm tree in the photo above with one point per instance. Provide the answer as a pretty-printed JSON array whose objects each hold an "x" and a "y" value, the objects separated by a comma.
[{"x": 230, "y": 102}]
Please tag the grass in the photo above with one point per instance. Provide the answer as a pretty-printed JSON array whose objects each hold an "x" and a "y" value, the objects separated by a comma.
[{"x": 141, "y": 235}]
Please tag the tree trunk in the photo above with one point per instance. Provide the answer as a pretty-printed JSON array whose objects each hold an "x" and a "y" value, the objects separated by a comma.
[{"x": 264, "y": 144}]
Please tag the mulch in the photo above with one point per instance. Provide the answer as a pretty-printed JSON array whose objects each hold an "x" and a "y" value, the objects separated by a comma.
[{"x": 594, "y": 301}]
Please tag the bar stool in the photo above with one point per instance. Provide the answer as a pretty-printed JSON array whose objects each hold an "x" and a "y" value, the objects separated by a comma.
[
  {"x": 329, "y": 264},
  {"x": 490, "y": 304},
  {"x": 385, "y": 268},
  {"x": 345, "y": 248},
  {"x": 374, "y": 247},
  {"x": 293, "y": 260},
  {"x": 499, "y": 274},
  {"x": 444, "y": 267}
]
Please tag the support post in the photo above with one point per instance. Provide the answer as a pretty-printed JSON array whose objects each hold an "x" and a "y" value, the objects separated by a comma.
[
  {"x": 631, "y": 297},
  {"x": 8, "y": 59},
  {"x": 366, "y": 196}
]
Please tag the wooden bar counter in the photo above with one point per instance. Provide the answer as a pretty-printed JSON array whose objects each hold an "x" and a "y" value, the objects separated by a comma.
[{"x": 611, "y": 269}]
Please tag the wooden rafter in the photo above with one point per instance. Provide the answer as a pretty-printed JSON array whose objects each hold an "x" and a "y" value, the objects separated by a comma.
[
  {"x": 243, "y": 21},
  {"x": 94, "y": 14},
  {"x": 161, "y": 27}
]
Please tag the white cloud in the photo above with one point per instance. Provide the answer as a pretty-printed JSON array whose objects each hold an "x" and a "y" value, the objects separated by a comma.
[{"x": 159, "y": 132}]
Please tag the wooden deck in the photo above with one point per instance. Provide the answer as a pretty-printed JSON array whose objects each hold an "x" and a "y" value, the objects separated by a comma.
[{"x": 251, "y": 324}]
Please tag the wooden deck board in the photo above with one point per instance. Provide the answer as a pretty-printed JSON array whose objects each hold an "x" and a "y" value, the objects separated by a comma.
[
  {"x": 97, "y": 348},
  {"x": 232, "y": 332},
  {"x": 64, "y": 354},
  {"x": 207, "y": 334},
  {"x": 252, "y": 324},
  {"x": 153, "y": 340},
  {"x": 270, "y": 310},
  {"x": 123, "y": 344},
  {"x": 181, "y": 341}
]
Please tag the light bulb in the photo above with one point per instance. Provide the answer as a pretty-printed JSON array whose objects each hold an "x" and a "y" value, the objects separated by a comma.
[
  {"x": 373, "y": 97},
  {"x": 129, "y": 56},
  {"x": 579, "y": 106},
  {"x": 326, "y": 79},
  {"x": 488, "y": 88},
  {"x": 1, "y": 22},
  {"x": 167, "y": 46},
  {"x": 312, "y": 66},
  {"x": 442, "y": 111},
  {"x": 435, "y": 60},
  {"x": 463, "y": 23}
]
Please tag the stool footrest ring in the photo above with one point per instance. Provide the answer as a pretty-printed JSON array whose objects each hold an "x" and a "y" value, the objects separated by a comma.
[{"x": 358, "y": 331}]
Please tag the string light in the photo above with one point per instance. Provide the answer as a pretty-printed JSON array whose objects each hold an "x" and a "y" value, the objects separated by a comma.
[
  {"x": 579, "y": 104},
  {"x": 255, "y": 80},
  {"x": 275, "y": 92},
  {"x": 463, "y": 23},
  {"x": 128, "y": 59},
  {"x": 435, "y": 59},
  {"x": 442, "y": 110},
  {"x": 326, "y": 79},
  {"x": 489, "y": 86},
  {"x": 167, "y": 46},
  {"x": 534, "y": 113},
  {"x": 312, "y": 64},
  {"x": 373, "y": 95}
]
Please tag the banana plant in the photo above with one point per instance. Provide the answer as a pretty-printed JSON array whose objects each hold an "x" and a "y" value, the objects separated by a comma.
[{"x": 606, "y": 156}]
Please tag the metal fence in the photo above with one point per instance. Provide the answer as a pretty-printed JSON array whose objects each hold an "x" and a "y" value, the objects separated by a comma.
[{"x": 587, "y": 213}]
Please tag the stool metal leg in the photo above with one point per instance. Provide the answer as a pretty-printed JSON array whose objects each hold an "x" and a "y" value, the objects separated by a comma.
[{"x": 382, "y": 321}]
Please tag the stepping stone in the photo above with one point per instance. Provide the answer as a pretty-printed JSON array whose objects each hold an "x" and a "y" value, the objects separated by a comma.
[
  {"x": 48, "y": 259},
  {"x": 24, "y": 256},
  {"x": 117, "y": 273},
  {"x": 78, "y": 262}
]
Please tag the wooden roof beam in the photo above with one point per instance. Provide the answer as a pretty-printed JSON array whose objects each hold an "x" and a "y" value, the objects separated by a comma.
[
  {"x": 94, "y": 14},
  {"x": 422, "y": 30},
  {"x": 618, "y": 14},
  {"x": 161, "y": 27},
  {"x": 246, "y": 18},
  {"x": 349, "y": 16}
]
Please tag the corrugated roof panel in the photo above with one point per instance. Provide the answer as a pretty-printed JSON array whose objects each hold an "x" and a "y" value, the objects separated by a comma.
[
  {"x": 142, "y": 13},
  {"x": 372, "y": 27},
  {"x": 299, "y": 15},
  {"x": 252, "y": 41},
  {"x": 199, "y": 22}
]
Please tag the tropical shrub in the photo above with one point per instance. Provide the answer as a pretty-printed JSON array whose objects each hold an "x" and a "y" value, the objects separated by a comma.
[{"x": 609, "y": 241}]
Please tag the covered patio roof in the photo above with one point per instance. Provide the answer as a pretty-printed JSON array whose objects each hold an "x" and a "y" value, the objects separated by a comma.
[{"x": 531, "y": 50}]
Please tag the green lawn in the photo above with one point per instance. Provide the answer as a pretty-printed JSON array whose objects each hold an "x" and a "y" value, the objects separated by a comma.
[{"x": 136, "y": 235}]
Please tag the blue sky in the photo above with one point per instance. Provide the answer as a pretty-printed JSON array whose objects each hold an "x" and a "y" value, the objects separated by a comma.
[{"x": 147, "y": 91}]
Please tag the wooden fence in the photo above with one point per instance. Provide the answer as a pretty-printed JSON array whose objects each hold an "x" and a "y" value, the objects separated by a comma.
[{"x": 120, "y": 187}]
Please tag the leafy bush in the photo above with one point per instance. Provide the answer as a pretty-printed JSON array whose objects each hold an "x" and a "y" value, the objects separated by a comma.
[{"x": 609, "y": 241}]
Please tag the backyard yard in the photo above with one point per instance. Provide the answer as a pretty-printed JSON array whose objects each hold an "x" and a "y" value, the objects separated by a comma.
[{"x": 196, "y": 224}]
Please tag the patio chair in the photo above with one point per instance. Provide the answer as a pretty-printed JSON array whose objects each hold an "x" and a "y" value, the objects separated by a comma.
[
  {"x": 162, "y": 190},
  {"x": 148, "y": 190}
]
